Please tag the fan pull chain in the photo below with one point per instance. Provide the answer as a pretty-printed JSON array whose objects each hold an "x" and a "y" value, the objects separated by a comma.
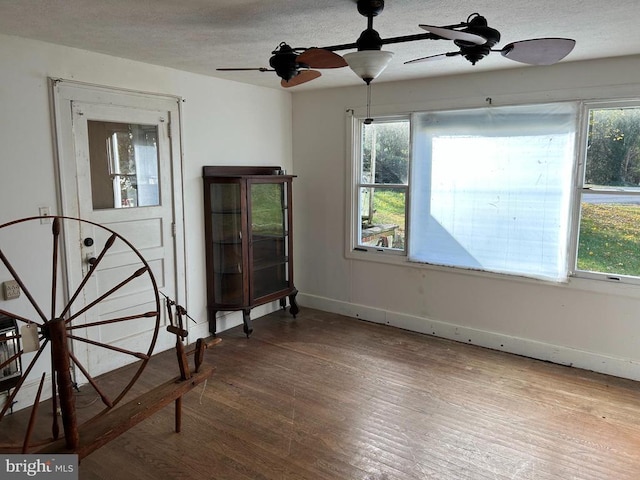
[{"x": 368, "y": 120}]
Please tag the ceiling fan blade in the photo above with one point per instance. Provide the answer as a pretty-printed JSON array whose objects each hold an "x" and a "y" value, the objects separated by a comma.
[
  {"x": 302, "y": 77},
  {"x": 321, "y": 58},
  {"x": 431, "y": 58},
  {"x": 451, "y": 34},
  {"x": 233, "y": 69},
  {"x": 539, "y": 51}
]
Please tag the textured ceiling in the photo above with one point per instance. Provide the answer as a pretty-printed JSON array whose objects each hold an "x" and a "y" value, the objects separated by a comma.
[{"x": 201, "y": 35}]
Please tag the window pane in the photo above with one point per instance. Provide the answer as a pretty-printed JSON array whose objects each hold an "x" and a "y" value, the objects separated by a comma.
[
  {"x": 385, "y": 152},
  {"x": 609, "y": 234},
  {"x": 610, "y": 209},
  {"x": 613, "y": 156},
  {"x": 382, "y": 217},
  {"x": 124, "y": 165},
  {"x": 491, "y": 189},
  {"x": 384, "y": 162}
]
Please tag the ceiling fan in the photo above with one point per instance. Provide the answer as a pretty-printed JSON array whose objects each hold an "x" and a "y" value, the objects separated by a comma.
[
  {"x": 474, "y": 39},
  {"x": 293, "y": 65}
]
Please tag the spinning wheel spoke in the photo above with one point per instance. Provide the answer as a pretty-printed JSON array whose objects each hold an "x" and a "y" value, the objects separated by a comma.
[
  {"x": 32, "y": 417},
  {"x": 92, "y": 381},
  {"x": 133, "y": 276},
  {"x": 18, "y": 317},
  {"x": 113, "y": 320},
  {"x": 17, "y": 278},
  {"x": 107, "y": 245},
  {"x": 140, "y": 355},
  {"x": 11, "y": 359},
  {"x": 24, "y": 376}
]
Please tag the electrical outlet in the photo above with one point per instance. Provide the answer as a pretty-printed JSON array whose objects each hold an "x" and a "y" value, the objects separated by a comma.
[{"x": 11, "y": 289}]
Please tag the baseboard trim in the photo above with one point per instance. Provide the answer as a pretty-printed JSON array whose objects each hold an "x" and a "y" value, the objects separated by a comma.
[{"x": 619, "y": 367}]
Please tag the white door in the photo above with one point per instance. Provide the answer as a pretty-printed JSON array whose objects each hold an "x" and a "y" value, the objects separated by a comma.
[{"x": 122, "y": 176}]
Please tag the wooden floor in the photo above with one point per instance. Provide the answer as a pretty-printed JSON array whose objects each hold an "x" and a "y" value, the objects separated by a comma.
[{"x": 329, "y": 397}]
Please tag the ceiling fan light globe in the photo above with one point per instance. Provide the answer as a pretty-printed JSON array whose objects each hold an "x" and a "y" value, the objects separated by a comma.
[{"x": 368, "y": 64}]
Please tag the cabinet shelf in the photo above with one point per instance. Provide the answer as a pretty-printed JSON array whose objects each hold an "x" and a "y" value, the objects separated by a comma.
[
  {"x": 230, "y": 241},
  {"x": 226, "y": 212},
  {"x": 261, "y": 237},
  {"x": 248, "y": 222},
  {"x": 262, "y": 264},
  {"x": 229, "y": 270}
]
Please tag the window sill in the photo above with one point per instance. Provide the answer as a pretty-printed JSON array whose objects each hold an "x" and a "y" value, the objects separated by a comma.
[
  {"x": 601, "y": 284},
  {"x": 401, "y": 260},
  {"x": 593, "y": 284}
]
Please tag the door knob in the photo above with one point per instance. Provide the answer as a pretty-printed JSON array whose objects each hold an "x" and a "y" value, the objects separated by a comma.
[{"x": 91, "y": 260}]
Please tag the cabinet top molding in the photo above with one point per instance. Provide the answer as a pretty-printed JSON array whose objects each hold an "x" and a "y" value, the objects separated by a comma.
[{"x": 235, "y": 171}]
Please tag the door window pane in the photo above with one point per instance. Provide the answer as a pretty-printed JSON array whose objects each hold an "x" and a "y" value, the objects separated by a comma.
[{"x": 124, "y": 165}]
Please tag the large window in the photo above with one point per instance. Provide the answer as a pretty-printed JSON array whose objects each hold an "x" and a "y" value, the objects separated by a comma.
[
  {"x": 609, "y": 227},
  {"x": 489, "y": 189},
  {"x": 504, "y": 189}
]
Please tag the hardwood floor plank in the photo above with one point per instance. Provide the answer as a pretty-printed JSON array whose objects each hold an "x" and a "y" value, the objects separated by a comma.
[{"x": 326, "y": 397}]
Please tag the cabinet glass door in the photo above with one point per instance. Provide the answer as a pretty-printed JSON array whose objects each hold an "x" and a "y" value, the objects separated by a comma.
[
  {"x": 226, "y": 233},
  {"x": 269, "y": 238}
]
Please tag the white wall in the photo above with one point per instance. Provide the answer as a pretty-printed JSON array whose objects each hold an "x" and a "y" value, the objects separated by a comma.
[
  {"x": 587, "y": 323},
  {"x": 223, "y": 123},
  {"x": 591, "y": 324}
]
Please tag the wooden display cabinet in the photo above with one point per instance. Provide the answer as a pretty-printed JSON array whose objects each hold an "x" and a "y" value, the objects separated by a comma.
[{"x": 248, "y": 234}]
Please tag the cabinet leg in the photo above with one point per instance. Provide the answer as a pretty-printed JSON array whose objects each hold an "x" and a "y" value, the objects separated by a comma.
[
  {"x": 246, "y": 320},
  {"x": 293, "y": 309},
  {"x": 283, "y": 303},
  {"x": 212, "y": 321}
]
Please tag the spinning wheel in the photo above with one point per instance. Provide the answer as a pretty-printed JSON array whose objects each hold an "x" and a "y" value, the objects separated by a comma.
[{"x": 58, "y": 331}]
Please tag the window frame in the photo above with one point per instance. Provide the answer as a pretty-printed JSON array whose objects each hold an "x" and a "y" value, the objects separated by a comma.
[
  {"x": 579, "y": 190},
  {"x": 580, "y": 278},
  {"x": 354, "y": 185}
]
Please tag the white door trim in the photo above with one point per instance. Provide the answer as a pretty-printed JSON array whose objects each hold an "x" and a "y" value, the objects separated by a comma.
[{"x": 63, "y": 93}]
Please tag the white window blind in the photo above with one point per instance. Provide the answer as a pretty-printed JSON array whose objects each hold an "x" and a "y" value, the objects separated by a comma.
[{"x": 491, "y": 188}]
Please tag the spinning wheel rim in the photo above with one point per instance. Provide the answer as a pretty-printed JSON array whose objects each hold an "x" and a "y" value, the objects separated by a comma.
[{"x": 67, "y": 317}]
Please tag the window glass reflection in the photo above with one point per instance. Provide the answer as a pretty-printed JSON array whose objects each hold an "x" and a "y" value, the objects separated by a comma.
[{"x": 124, "y": 165}]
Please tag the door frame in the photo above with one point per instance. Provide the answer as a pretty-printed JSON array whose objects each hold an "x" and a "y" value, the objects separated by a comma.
[{"x": 63, "y": 93}]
